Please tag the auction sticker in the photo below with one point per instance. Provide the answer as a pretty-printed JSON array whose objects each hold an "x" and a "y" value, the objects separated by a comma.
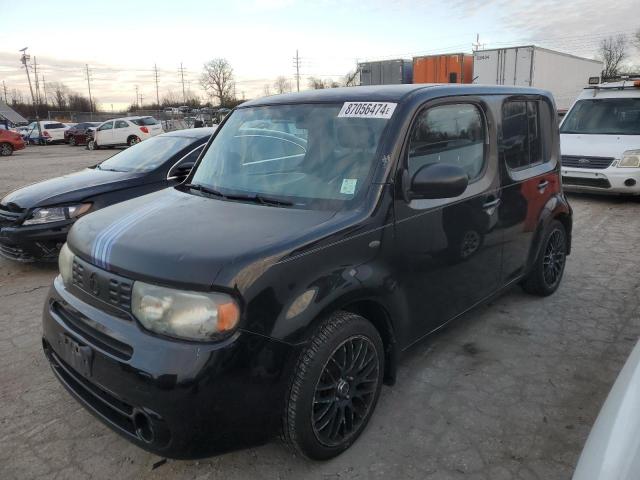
[
  {"x": 348, "y": 186},
  {"x": 367, "y": 110}
]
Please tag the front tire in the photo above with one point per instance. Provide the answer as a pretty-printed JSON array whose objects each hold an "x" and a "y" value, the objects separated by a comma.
[
  {"x": 5, "y": 149},
  {"x": 548, "y": 268},
  {"x": 72, "y": 141},
  {"x": 92, "y": 145},
  {"x": 335, "y": 387}
]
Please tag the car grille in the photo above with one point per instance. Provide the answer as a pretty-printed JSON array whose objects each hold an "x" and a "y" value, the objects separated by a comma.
[
  {"x": 9, "y": 216},
  {"x": 108, "y": 287},
  {"x": 114, "y": 410},
  {"x": 586, "y": 162},
  {"x": 586, "y": 182},
  {"x": 78, "y": 323},
  {"x": 15, "y": 253}
]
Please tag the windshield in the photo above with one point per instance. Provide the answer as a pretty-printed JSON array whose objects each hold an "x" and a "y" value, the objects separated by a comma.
[
  {"x": 307, "y": 155},
  {"x": 604, "y": 116},
  {"x": 146, "y": 156}
]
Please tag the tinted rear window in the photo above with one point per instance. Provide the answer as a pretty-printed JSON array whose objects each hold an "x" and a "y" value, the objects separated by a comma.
[
  {"x": 51, "y": 126},
  {"x": 145, "y": 121}
]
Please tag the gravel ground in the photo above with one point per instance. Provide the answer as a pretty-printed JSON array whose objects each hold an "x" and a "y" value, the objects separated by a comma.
[{"x": 508, "y": 392}]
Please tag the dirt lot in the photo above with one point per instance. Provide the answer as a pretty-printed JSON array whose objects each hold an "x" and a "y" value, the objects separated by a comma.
[{"x": 508, "y": 392}]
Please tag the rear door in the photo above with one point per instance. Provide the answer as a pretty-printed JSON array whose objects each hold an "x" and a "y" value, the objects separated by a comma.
[
  {"x": 448, "y": 250},
  {"x": 528, "y": 162}
]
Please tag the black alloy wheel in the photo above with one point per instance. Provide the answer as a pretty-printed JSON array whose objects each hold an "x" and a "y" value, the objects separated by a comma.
[
  {"x": 335, "y": 386},
  {"x": 554, "y": 258},
  {"x": 345, "y": 391},
  {"x": 547, "y": 269}
]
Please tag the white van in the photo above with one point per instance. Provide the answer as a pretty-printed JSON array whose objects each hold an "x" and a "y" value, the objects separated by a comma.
[{"x": 600, "y": 139}]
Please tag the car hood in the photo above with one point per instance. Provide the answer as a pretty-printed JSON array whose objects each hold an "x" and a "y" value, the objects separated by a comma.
[
  {"x": 180, "y": 239},
  {"x": 598, "y": 145},
  {"x": 71, "y": 188}
]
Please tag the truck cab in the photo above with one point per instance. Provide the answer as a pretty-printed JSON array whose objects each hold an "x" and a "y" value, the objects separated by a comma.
[{"x": 600, "y": 139}]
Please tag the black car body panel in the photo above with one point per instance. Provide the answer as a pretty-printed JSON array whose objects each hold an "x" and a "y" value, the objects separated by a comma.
[
  {"x": 99, "y": 187},
  {"x": 402, "y": 264}
]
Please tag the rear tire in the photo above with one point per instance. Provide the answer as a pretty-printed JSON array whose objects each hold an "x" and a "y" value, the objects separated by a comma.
[
  {"x": 72, "y": 141},
  {"x": 548, "y": 268},
  {"x": 334, "y": 387},
  {"x": 5, "y": 149},
  {"x": 132, "y": 140}
]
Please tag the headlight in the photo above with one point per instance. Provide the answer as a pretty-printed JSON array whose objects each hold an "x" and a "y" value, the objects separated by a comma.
[
  {"x": 65, "y": 264},
  {"x": 630, "y": 159},
  {"x": 184, "y": 314},
  {"x": 56, "y": 214}
]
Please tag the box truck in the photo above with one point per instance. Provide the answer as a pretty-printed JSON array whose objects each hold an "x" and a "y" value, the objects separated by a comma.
[
  {"x": 450, "y": 68},
  {"x": 386, "y": 72},
  {"x": 562, "y": 74}
]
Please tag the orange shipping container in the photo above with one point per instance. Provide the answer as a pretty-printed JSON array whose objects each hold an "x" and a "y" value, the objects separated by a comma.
[{"x": 452, "y": 68}]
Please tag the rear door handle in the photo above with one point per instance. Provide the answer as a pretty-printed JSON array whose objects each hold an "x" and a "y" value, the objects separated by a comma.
[
  {"x": 542, "y": 185},
  {"x": 491, "y": 204}
]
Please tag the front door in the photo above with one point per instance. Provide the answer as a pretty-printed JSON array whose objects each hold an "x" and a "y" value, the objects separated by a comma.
[
  {"x": 449, "y": 250},
  {"x": 104, "y": 134},
  {"x": 120, "y": 131}
]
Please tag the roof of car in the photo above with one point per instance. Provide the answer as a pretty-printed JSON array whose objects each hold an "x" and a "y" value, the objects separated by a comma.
[
  {"x": 191, "y": 132},
  {"x": 387, "y": 93}
]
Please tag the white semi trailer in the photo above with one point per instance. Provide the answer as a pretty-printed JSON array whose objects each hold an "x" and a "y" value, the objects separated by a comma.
[{"x": 562, "y": 74}]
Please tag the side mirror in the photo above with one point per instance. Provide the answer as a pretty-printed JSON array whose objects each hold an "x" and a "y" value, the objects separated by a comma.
[
  {"x": 438, "y": 180},
  {"x": 183, "y": 170}
]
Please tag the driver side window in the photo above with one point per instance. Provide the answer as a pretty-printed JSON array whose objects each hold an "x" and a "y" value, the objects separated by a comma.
[
  {"x": 454, "y": 134},
  {"x": 106, "y": 126}
]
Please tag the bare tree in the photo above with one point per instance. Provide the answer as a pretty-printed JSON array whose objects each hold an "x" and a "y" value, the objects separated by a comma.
[
  {"x": 351, "y": 79},
  {"x": 170, "y": 99},
  {"x": 282, "y": 85},
  {"x": 316, "y": 83},
  {"x": 16, "y": 96},
  {"x": 613, "y": 52},
  {"x": 636, "y": 39},
  {"x": 60, "y": 94},
  {"x": 217, "y": 79}
]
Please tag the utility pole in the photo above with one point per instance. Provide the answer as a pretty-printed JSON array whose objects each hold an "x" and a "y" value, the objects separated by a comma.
[
  {"x": 476, "y": 46},
  {"x": 35, "y": 74},
  {"x": 296, "y": 59},
  {"x": 137, "y": 98},
  {"x": 4, "y": 87},
  {"x": 89, "y": 86},
  {"x": 184, "y": 95},
  {"x": 24, "y": 59},
  {"x": 155, "y": 67},
  {"x": 44, "y": 88}
]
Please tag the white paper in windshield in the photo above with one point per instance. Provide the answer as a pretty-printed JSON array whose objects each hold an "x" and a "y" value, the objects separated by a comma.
[
  {"x": 367, "y": 110},
  {"x": 348, "y": 186}
]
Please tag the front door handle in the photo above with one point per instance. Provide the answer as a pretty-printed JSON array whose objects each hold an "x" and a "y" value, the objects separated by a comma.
[
  {"x": 491, "y": 204},
  {"x": 542, "y": 185}
]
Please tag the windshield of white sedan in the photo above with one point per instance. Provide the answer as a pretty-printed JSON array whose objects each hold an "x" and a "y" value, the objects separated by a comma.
[
  {"x": 604, "y": 116},
  {"x": 298, "y": 155},
  {"x": 146, "y": 156}
]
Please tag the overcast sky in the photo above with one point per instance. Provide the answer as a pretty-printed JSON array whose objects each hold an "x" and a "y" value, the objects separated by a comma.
[{"x": 121, "y": 40}]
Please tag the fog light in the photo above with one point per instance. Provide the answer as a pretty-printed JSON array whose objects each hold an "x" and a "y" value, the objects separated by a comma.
[{"x": 630, "y": 182}]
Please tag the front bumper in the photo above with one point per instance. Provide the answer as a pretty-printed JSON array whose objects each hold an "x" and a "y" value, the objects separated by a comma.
[
  {"x": 177, "y": 399},
  {"x": 31, "y": 243},
  {"x": 611, "y": 180}
]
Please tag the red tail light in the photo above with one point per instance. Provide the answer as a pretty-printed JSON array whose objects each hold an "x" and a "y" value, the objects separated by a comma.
[
  {"x": 45, "y": 134},
  {"x": 144, "y": 129}
]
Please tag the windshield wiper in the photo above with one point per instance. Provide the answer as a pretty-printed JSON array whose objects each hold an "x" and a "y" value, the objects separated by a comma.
[
  {"x": 204, "y": 189},
  {"x": 261, "y": 199}
]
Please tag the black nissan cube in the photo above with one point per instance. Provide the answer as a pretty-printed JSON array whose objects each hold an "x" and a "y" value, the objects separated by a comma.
[{"x": 318, "y": 237}]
